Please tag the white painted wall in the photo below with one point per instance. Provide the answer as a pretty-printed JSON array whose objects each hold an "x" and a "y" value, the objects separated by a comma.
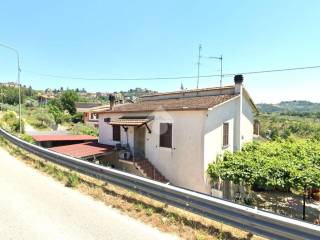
[
  {"x": 106, "y": 134},
  {"x": 247, "y": 121},
  {"x": 182, "y": 164},
  {"x": 213, "y": 133},
  {"x": 197, "y": 140}
]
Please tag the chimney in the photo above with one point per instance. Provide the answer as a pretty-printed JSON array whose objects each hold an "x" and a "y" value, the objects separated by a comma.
[
  {"x": 238, "y": 80},
  {"x": 112, "y": 100}
]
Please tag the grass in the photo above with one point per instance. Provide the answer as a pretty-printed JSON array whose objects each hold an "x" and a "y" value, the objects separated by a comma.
[
  {"x": 73, "y": 180},
  {"x": 162, "y": 216}
]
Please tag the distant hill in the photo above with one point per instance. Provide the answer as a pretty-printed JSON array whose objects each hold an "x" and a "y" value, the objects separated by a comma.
[
  {"x": 289, "y": 106},
  {"x": 133, "y": 94}
]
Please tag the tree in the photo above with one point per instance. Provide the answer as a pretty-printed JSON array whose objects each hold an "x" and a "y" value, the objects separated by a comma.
[
  {"x": 11, "y": 96},
  {"x": 68, "y": 100},
  {"x": 273, "y": 165},
  {"x": 57, "y": 113}
]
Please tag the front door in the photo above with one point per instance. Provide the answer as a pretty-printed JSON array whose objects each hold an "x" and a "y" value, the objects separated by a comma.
[{"x": 139, "y": 142}]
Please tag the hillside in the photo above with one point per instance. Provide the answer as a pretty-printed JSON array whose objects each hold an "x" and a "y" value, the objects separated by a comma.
[{"x": 289, "y": 106}]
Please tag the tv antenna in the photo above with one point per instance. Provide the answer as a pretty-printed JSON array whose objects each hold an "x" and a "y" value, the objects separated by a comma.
[{"x": 199, "y": 57}]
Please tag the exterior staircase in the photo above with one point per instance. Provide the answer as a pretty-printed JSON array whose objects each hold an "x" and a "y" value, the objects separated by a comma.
[{"x": 149, "y": 171}]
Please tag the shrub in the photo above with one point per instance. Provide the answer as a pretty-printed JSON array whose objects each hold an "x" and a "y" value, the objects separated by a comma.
[
  {"x": 73, "y": 180},
  {"x": 42, "y": 119},
  {"x": 27, "y": 138},
  {"x": 77, "y": 118},
  {"x": 10, "y": 121},
  {"x": 81, "y": 128}
]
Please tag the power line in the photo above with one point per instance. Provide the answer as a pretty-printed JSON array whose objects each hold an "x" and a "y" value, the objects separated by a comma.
[{"x": 170, "y": 77}]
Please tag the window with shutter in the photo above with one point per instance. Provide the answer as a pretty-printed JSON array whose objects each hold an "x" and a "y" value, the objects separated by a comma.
[
  {"x": 166, "y": 135},
  {"x": 116, "y": 133},
  {"x": 225, "y": 134}
]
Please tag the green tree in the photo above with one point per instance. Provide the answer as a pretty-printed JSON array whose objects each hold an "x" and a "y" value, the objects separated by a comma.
[
  {"x": 291, "y": 164},
  {"x": 68, "y": 100},
  {"x": 57, "y": 113}
]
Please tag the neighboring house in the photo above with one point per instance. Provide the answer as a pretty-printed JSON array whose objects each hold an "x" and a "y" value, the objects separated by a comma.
[
  {"x": 10, "y": 84},
  {"x": 181, "y": 132},
  {"x": 89, "y": 117},
  {"x": 43, "y": 99}
]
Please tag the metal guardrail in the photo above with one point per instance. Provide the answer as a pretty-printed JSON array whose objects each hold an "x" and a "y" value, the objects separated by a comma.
[{"x": 252, "y": 220}]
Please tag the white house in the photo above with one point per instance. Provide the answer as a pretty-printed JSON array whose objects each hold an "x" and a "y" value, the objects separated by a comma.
[{"x": 181, "y": 132}]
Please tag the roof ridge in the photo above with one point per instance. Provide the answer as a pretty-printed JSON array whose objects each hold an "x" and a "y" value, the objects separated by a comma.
[{"x": 188, "y": 91}]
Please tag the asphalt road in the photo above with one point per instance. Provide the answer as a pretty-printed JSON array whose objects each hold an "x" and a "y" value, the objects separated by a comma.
[{"x": 34, "y": 206}]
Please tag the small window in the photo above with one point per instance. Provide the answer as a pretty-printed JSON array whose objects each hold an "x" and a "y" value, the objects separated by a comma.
[
  {"x": 93, "y": 116},
  {"x": 166, "y": 135},
  {"x": 225, "y": 134},
  {"x": 116, "y": 133}
]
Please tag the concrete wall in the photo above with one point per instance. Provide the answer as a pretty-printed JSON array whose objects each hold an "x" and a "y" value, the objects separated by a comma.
[{"x": 112, "y": 160}]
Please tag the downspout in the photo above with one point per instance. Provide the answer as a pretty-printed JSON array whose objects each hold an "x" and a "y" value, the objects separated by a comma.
[{"x": 238, "y": 89}]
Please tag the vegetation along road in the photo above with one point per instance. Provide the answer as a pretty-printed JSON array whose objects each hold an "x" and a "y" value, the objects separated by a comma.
[{"x": 33, "y": 206}]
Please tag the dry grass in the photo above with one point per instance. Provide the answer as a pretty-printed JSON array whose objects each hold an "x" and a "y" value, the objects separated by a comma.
[{"x": 166, "y": 218}]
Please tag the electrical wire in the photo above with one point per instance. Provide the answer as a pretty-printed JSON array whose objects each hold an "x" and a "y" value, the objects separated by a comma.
[{"x": 170, "y": 77}]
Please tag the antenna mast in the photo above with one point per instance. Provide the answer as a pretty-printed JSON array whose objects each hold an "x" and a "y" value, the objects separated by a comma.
[{"x": 199, "y": 57}]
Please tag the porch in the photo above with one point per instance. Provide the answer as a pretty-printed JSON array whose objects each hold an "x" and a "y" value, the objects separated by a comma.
[{"x": 132, "y": 150}]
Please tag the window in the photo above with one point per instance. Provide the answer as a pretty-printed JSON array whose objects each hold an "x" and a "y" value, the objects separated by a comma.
[
  {"x": 166, "y": 135},
  {"x": 225, "y": 134},
  {"x": 93, "y": 116},
  {"x": 116, "y": 133}
]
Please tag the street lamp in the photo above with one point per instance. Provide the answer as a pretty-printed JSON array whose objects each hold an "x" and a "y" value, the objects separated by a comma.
[{"x": 19, "y": 70}]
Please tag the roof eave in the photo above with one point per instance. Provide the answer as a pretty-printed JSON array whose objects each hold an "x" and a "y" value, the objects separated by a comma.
[{"x": 158, "y": 110}]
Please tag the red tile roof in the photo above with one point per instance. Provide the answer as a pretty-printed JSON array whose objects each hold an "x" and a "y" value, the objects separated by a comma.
[
  {"x": 55, "y": 138},
  {"x": 82, "y": 150},
  {"x": 187, "y": 103}
]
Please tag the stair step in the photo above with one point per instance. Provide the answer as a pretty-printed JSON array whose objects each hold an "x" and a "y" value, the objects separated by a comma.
[{"x": 150, "y": 171}]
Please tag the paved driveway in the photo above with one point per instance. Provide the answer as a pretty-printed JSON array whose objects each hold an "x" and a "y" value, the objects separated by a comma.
[{"x": 34, "y": 206}]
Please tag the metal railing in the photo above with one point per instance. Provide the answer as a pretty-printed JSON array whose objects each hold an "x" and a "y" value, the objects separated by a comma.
[{"x": 252, "y": 220}]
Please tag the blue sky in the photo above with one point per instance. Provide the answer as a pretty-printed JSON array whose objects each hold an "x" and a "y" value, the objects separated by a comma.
[{"x": 122, "y": 39}]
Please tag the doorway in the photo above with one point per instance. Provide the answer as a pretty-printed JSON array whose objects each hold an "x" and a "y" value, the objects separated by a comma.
[{"x": 139, "y": 142}]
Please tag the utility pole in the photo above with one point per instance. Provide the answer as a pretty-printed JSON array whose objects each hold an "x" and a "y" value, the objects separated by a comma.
[
  {"x": 199, "y": 57},
  {"x": 18, "y": 80}
]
